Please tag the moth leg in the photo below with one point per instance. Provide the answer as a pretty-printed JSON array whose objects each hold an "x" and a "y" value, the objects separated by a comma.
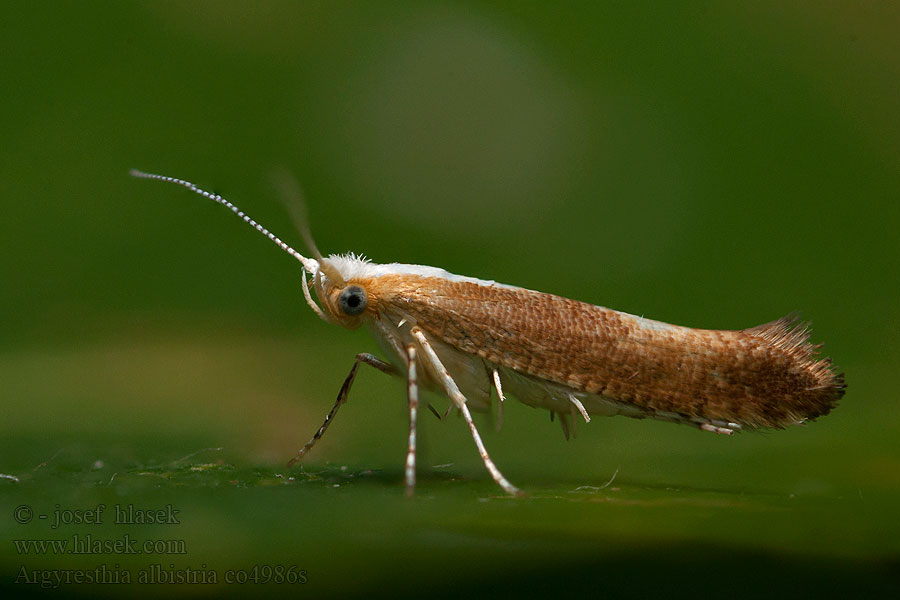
[
  {"x": 390, "y": 337},
  {"x": 365, "y": 358},
  {"x": 459, "y": 400},
  {"x": 564, "y": 422},
  {"x": 412, "y": 392},
  {"x": 434, "y": 411},
  {"x": 437, "y": 415},
  {"x": 500, "y": 397},
  {"x": 714, "y": 429},
  {"x": 580, "y": 407}
]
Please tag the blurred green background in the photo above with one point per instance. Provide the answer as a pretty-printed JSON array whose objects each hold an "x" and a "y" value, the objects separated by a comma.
[{"x": 715, "y": 165}]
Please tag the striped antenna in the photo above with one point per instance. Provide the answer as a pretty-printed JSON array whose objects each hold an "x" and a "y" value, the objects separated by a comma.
[{"x": 308, "y": 264}]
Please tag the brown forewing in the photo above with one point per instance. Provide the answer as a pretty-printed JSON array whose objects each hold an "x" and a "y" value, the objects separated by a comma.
[{"x": 761, "y": 377}]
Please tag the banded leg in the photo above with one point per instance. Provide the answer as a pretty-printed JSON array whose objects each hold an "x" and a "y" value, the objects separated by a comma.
[
  {"x": 456, "y": 396},
  {"x": 412, "y": 392},
  {"x": 365, "y": 358}
]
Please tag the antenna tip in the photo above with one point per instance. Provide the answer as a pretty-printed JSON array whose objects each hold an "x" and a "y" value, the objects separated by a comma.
[{"x": 136, "y": 173}]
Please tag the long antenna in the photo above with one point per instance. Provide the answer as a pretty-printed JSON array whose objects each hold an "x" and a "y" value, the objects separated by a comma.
[{"x": 310, "y": 265}]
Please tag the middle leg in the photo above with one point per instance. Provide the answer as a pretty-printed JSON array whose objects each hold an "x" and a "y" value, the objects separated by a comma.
[
  {"x": 459, "y": 400},
  {"x": 412, "y": 392}
]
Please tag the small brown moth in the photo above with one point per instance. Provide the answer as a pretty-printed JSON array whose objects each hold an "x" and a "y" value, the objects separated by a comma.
[{"x": 463, "y": 337}]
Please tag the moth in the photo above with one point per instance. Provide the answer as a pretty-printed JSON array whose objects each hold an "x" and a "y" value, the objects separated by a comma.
[{"x": 470, "y": 339}]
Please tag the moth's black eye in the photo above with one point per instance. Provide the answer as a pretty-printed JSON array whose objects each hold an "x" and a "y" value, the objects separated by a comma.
[{"x": 353, "y": 300}]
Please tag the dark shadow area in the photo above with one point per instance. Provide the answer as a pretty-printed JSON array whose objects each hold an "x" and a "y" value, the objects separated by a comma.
[{"x": 664, "y": 571}]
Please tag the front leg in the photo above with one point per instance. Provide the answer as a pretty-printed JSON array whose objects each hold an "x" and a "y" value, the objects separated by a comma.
[{"x": 365, "y": 358}]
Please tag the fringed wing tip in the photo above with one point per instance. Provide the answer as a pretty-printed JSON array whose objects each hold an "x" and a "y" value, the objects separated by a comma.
[
  {"x": 791, "y": 335},
  {"x": 790, "y": 332}
]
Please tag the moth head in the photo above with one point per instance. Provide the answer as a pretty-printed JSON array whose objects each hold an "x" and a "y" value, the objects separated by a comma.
[{"x": 344, "y": 302}]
